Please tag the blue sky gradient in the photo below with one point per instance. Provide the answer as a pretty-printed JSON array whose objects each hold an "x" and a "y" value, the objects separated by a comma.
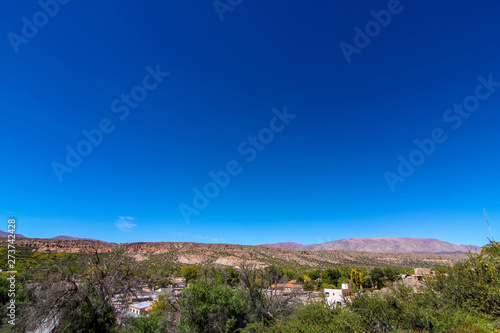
[{"x": 321, "y": 178}]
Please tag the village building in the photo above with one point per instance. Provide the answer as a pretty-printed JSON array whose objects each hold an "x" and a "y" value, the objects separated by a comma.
[
  {"x": 291, "y": 287},
  {"x": 141, "y": 308},
  {"x": 334, "y": 297},
  {"x": 420, "y": 273}
]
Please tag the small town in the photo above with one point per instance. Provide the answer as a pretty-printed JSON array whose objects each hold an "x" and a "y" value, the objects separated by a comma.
[
  {"x": 235, "y": 166},
  {"x": 140, "y": 302}
]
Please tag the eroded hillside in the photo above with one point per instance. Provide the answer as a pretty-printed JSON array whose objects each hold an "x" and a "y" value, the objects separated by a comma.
[{"x": 233, "y": 255}]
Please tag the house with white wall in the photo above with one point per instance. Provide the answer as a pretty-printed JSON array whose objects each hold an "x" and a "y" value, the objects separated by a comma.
[
  {"x": 141, "y": 308},
  {"x": 337, "y": 296}
]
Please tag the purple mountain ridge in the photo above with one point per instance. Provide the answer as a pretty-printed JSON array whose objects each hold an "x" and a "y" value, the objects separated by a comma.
[
  {"x": 6, "y": 234},
  {"x": 387, "y": 244}
]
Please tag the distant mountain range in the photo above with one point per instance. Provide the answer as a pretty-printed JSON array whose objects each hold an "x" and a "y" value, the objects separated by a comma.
[
  {"x": 379, "y": 244},
  {"x": 61, "y": 237},
  {"x": 285, "y": 245},
  {"x": 64, "y": 237},
  {"x": 385, "y": 244},
  {"x": 6, "y": 234}
]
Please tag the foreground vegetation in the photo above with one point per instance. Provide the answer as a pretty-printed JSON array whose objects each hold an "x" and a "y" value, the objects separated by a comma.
[
  {"x": 74, "y": 293},
  {"x": 463, "y": 298}
]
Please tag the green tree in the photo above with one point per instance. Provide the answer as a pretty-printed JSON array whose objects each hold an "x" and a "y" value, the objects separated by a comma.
[
  {"x": 331, "y": 275},
  {"x": 231, "y": 276},
  {"x": 163, "y": 304},
  {"x": 378, "y": 277},
  {"x": 273, "y": 274},
  {"x": 313, "y": 274},
  {"x": 391, "y": 274},
  {"x": 367, "y": 281},
  {"x": 189, "y": 273},
  {"x": 290, "y": 274},
  {"x": 308, "y": 286},
  {"x": 212, "y": 306},
  {"x": 357, "y": 278}
]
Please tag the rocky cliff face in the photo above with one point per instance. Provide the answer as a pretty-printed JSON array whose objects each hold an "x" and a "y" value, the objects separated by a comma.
[
  {"x": 234, "y": 255},
  {"x": 67, "y": 246}
]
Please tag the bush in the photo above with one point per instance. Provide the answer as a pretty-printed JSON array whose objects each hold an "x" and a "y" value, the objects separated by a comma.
[
  {"x": 20, "y": 294},
  {"x": 308, "y": 286},
  {"x": 212, "y": 306},
  {"x": 313, "y": 318},
  {"x": 157, "y": 322},
  {"x": 402, "y": 309},
  {"x": 473, "y": 284}
]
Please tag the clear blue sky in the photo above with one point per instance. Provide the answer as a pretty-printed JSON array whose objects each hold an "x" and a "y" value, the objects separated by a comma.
[{"x": 321, "y": 177}]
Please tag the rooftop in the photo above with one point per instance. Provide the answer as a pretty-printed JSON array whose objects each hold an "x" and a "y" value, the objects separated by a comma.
[{"x": 141, "y": 305}]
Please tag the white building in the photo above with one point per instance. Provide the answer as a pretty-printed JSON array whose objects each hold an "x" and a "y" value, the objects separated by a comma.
[
  {"x": 337, "y": 296},
  {"x": 140, "y": 308}
]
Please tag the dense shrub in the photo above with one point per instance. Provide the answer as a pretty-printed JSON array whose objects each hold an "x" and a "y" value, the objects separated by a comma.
[
  {"x": 331, "y": 276},
  {"x": 157, "y": 322},
  {"x": 405, "y": 310},
  {"x": 312, "y": 318},
  {"x": 212, "y": 306},
  {"x": 473, "y": 284},
  {"x": 20, "y": 293}
]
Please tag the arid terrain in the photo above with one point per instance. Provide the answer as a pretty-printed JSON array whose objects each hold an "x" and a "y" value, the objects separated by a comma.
[{"x": 233, "y": 255}]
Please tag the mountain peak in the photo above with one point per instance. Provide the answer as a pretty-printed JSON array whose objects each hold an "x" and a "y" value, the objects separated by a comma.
[
  {"x": 65, "y": 237},
  {"x": 284, "y": 245},
  {"x": 386, "y": 244},
  {"x": 6, "y": 234}
]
